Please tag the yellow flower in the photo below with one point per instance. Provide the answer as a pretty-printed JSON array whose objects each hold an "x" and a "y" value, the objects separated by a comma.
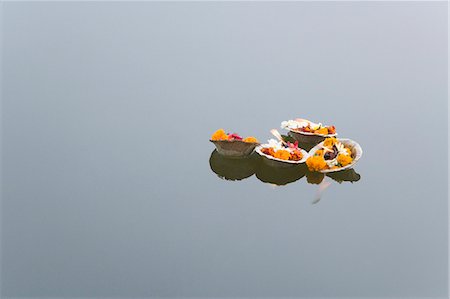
[
  {"x": 282, "y": 154},
  {"x": 219, "y": 135},
  {"x": 344, "y": 160},
  {"x": 329, "y": 142},
  {"x": 319, "y": 153},
  {"x": 348, "y": 151},
  {"x": 316, "y": 163},
  {"x": 323, "y": 131},
  {"x": 250, "y": 139}
]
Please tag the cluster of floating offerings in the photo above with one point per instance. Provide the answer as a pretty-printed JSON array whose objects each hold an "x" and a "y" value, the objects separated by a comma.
[{"x": 316, "y": 145}]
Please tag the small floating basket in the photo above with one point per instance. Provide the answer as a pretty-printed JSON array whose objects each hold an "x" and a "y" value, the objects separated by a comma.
[
  {"x": 234, "y": 148},
  {"x": 308, "y": 137},
  {"x": 275, "y": 162},
  {"x": 355, "y": 148}
]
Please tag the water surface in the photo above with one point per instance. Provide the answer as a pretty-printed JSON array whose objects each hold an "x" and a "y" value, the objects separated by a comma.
[{"x": 110, "y": 187}]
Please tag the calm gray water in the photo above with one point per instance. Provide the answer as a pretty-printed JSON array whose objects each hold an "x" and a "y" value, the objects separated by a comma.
[{"x": 107, "y": 185}]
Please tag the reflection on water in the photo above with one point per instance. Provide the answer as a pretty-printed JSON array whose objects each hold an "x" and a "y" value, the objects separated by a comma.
[
  {"x": 233, "y": 169},
  {"x": 280, "y": 175},
  {"x": 349, "y": 175},
  {"x": 242, "y": 168}
]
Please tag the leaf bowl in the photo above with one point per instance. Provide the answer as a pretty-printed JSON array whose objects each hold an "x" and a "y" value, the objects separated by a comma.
[
  {"x": 272, "y": 161},
  {"x": 234, "y": 148},
  {"x": 355, "y": 148}
]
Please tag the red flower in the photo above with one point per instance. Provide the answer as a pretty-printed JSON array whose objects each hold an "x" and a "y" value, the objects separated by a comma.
[
  {"x": 234, "y": 136},
  {"x": 293, "y": 145}
]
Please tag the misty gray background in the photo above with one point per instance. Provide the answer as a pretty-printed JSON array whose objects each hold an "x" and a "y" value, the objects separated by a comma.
[{"x": 107, "y": 109}]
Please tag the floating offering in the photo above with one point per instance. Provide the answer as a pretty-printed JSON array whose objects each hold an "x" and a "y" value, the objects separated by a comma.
[
  {"x": 306, "y": 131},
  {"x": 233, "y": 145},
  {"x": 333, "y": 155},
  {"x": 280, "y": 153}
]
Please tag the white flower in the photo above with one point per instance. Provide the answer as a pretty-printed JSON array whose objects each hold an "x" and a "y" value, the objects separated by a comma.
[
  {"x": 341, "y": 148},
  {"x": 315, "y": 126},
  {"x": 275, "y": 144},
  {"x": 332, "y": 163},
  {"x": 290, "y": 124}
]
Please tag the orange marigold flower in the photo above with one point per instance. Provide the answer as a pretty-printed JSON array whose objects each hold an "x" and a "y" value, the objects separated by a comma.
[
  {"x": 250, "y": 139},
  {"x": 319, "y": 153},
  {"x": 282, "y": 154},
  {"x": 323, "y": 131},
  {"x": 329, "y": 142},
  {"x": 268, "y": 151},
  {"x": 316, "y": 163},
  {"x": 296, "y": 155},
  {"x": 219, "y": 135},
  {"x": 344, "y": 160},
  {"x": 331, "y": 129}
]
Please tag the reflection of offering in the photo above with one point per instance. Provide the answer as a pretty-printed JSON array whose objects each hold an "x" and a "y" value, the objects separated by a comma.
[
  {"x": 348, "y": 175},
  {"x": 233, "y": 144},
  {"x": 318, "y": 178},
  {"x": 233, "y": 168},
  {"x": 322, "y": 187},
  {"x": 334, "y": 155},
  {"x": 280, "y": 175},
  {"x": 306, "y": 131},
  {"x": 282, "y": 153},
  {"x": 314, "y": 177}
]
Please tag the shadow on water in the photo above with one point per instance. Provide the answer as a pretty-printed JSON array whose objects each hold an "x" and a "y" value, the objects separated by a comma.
[{"x": 236, "y": 169}]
